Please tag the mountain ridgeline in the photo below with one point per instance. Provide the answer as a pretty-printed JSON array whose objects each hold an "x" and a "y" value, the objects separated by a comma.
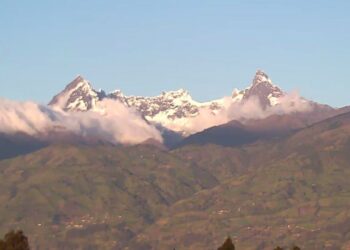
[
  {"x": 177, "y": 111},
  {"x": 278, "y": 177}
]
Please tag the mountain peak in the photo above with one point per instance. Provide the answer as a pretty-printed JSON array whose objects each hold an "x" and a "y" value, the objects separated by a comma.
[
  {"x": 79, "y": 78},
  {"x": 263, "y": 88},
  {"x": 78, "y": 81},
  {"x": 175, "y": 94},
  {"x": 261, "y": 77},
  {"x": 77, "y": 95},
  {"x": 179, "y": 92}
]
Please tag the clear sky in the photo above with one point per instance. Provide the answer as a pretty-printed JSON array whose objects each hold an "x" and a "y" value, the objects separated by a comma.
[{"x": 144, "y": 47}]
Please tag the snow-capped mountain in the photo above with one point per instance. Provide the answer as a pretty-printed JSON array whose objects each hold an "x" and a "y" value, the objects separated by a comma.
[
  {"x": 262, "y": 87},
  {"x": 170, "y": 109},
  {"x": 173, "y": 109},
  {"x": 77, "y": 96}
]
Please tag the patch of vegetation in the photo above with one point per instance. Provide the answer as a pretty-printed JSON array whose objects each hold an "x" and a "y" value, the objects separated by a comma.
[
  {"x": 14, "y": 240},
  {"x": 228, "y": 245}
]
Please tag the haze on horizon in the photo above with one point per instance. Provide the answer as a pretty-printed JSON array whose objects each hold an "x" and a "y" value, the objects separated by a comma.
[{"x": 206, "y": 47}]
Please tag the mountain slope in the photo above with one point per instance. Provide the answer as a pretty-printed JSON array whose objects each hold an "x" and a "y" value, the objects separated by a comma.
[
  {"x": 236, "y": 133},
  {"x": 13, "y": 145},
  {"x": 298, "y": 194},
  {"x": 291, "y": 190},
  {"x": 104, "y": 194}
]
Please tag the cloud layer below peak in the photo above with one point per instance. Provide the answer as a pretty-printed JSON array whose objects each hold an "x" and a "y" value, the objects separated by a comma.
[
  {"x": 117, "y": 123},
  {"x": 241, "y": 111}
]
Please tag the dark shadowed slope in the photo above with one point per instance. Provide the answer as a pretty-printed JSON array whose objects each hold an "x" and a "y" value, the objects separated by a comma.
[
  {"x": 237, "y": 133},
  {"x": 12, "y": 145}
]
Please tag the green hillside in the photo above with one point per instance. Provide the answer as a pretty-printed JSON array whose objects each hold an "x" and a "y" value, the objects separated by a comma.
[
  {"x": 282, "y": 192},
  {"x": 298, "y": 192},
  {"x": 87, "y": 196}
]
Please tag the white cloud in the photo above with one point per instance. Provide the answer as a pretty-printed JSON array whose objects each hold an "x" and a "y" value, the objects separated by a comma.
[
  {"x": 118, "y": 124},
  {"x": 241, "y": 111}
]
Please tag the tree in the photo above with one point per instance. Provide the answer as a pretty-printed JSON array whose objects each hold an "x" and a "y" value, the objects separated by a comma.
[
  {"x": 278, "y": 248},
  {"x": 296, "y": 248},
  {"x": 14, "y": 241},
  {"x": 2, "y": 245},
  {"x": 228, "y": 245}
]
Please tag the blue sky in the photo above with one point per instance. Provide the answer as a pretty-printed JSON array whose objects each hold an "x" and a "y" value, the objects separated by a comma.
[{"x": 145, "y": 47}]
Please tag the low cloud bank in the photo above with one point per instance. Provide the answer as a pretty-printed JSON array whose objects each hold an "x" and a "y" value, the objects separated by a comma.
[
  {"x": 252, "y": 109},
  {"x": 249, "y": 109},
  {"x": 115, "y": 123}
]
